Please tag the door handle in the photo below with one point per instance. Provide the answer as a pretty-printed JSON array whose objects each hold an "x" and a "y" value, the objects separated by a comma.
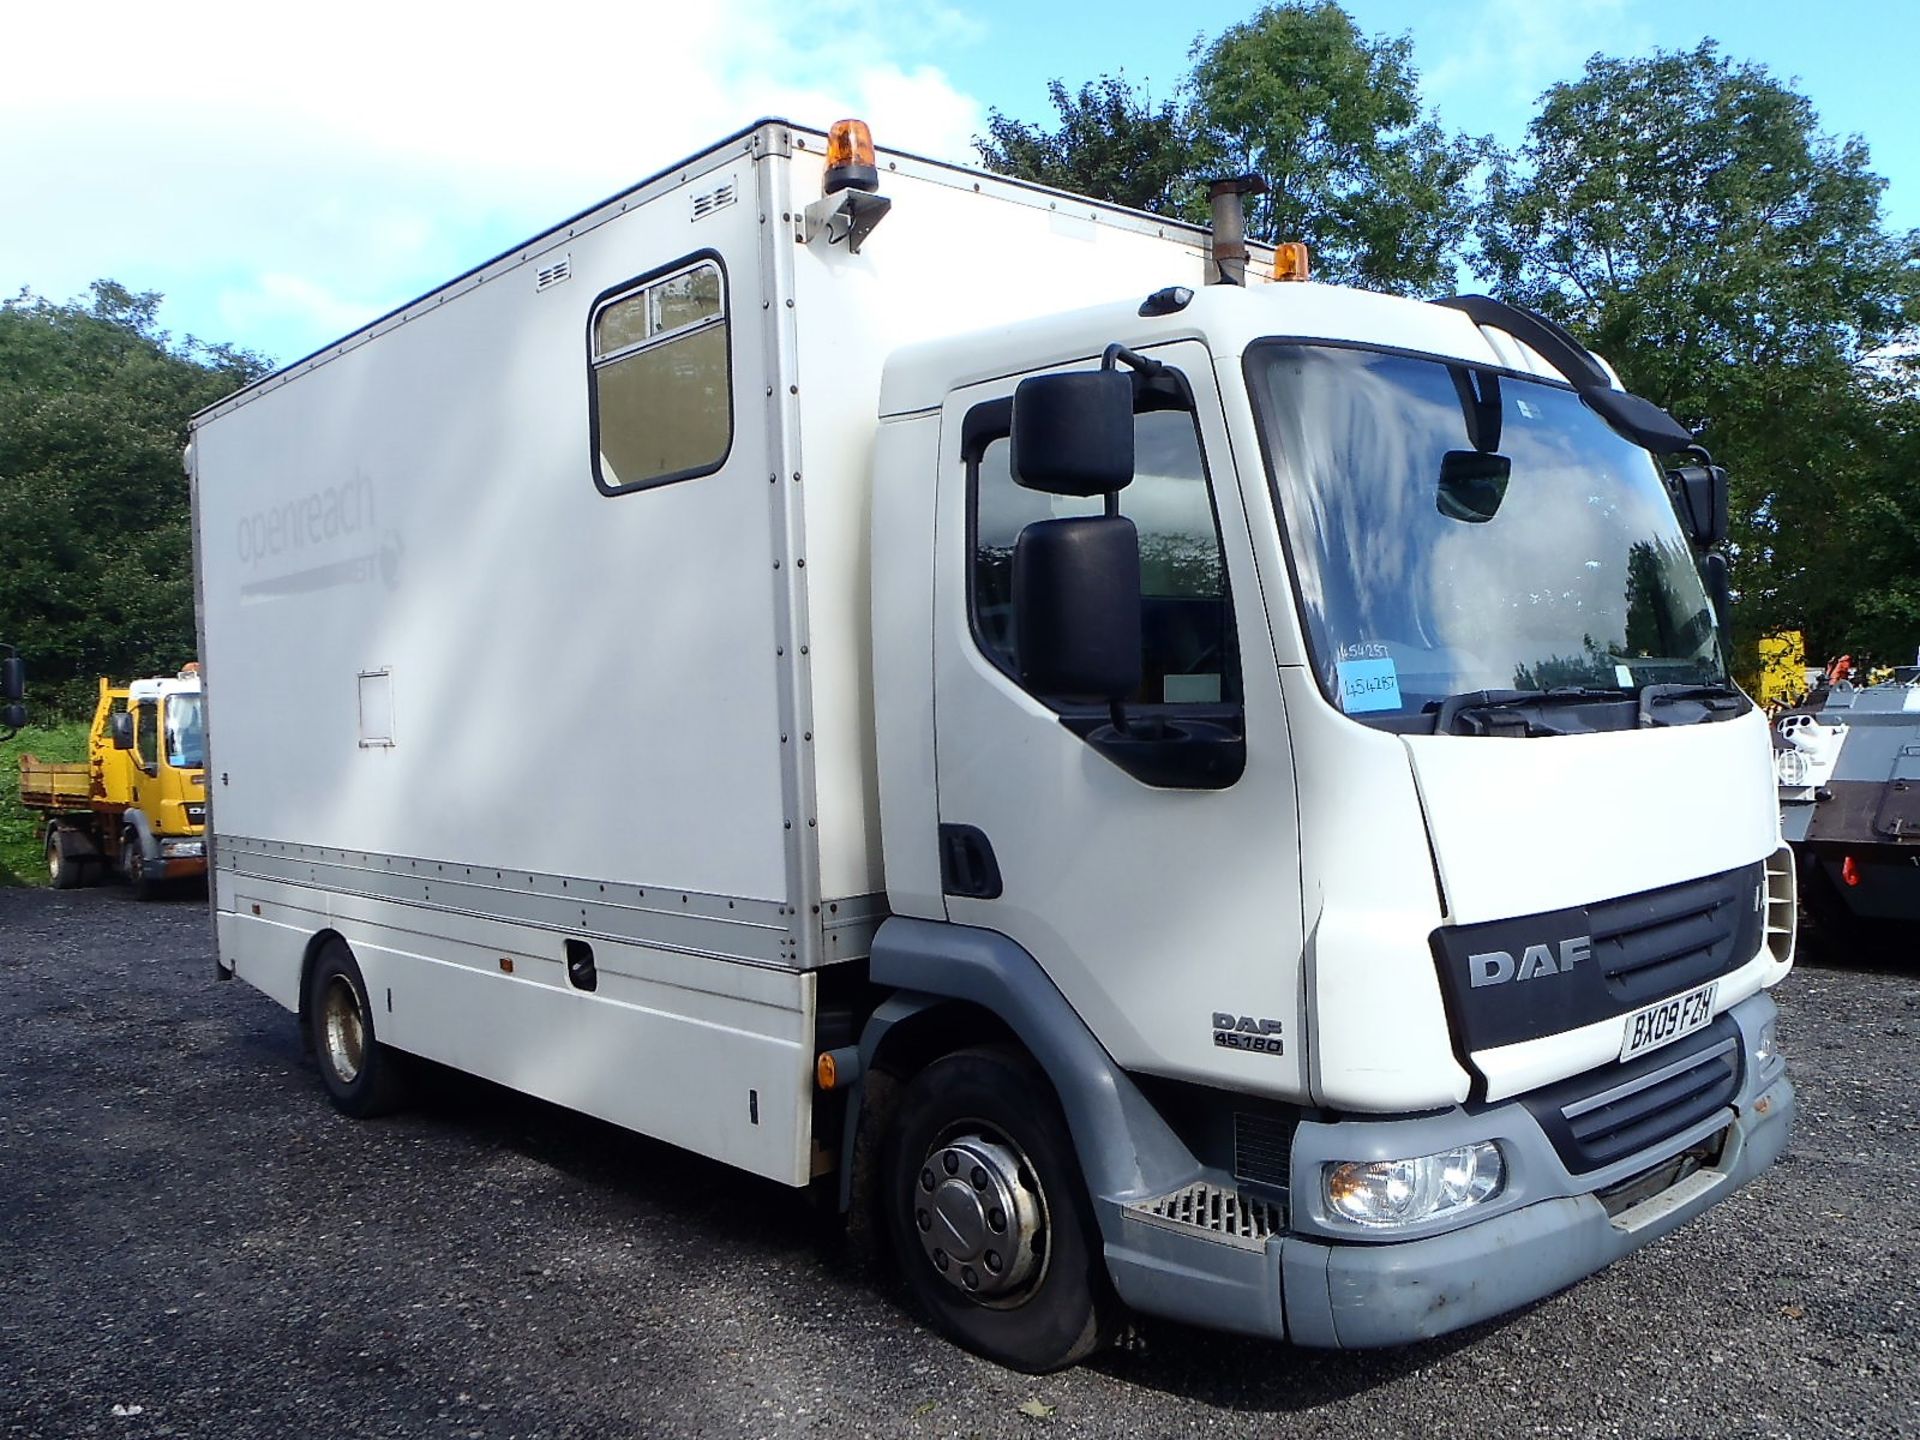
[{"x": 967, "y": 864}]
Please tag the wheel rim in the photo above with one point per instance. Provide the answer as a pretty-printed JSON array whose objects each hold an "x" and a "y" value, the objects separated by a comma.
[
  {"x": 981, "y": 1215},
  {"x": 53, "y": 860},
  {"x": 132, "y": 861},
  {"x": 343, "y": 1029}
]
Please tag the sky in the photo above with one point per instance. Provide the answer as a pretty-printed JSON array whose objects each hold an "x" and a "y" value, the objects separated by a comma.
[{"x": 284, "y": 174}]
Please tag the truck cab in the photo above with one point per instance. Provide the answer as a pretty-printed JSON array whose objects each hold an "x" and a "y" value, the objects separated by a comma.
[
  {"x": 164, "y": 775},
  {"x": 138, "y": 803},
  {"x": 1422, "y": 876}
]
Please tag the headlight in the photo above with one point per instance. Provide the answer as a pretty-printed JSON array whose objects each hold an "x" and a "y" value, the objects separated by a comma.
[
  {"x": 1790, "y": 767},
  {"x": 183, "y": 849},
  {"x": 1765, "y": 1045},
  {"x": 1405, "y": 1192}
]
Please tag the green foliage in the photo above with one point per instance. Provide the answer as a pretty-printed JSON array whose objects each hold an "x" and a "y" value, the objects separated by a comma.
[
  {"x": 1333, "y": 123},
  {"x": 22, "y": 861},
  {"x": 1113, "y": 143},
  {"x": 95, "y": 550},
  {"x": 1684, "y": 216},
  {"x": 1330, "y": 120}
]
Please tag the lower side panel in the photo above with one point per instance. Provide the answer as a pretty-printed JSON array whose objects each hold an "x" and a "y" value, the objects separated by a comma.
[{"x": 712, "y": 1055}]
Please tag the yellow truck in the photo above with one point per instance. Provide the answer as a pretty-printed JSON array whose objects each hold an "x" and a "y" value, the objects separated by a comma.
[{"x": 138, "y": 802}]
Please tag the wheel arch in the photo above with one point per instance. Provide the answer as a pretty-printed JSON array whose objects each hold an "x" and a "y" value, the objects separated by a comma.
[
  {"x": 316, "y": 942},
  {"x": 136, "y": 821},
  {"x": 956, "y": 986}
]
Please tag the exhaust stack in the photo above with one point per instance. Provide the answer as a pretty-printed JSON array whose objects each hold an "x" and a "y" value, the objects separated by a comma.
[{"x": 1229, "y": 244}]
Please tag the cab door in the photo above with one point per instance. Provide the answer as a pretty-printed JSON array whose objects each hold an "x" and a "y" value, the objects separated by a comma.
[
  {"x": 1168, "y": 914},
  {"x": 146, "y": 756}
]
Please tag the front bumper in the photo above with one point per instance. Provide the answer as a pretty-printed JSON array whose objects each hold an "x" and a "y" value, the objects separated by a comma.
[
  {"x": 180, "y": 857},
  {"x": 1353, "y": 1294}
]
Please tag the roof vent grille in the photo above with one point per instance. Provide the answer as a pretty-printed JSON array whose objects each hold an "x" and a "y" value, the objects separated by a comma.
[
  {"x": 718, "y": 198},
  {"x": 552, "y": 274}
]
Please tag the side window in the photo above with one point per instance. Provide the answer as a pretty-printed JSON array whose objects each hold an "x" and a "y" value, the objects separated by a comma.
[
  {"x": 1187, "y": 635},
  {"x": 146, "y": 732},
  {"x": 662, "y": 395}
]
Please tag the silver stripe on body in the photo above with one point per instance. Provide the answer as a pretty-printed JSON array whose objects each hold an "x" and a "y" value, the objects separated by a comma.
[{"x": 727, "y": 927}]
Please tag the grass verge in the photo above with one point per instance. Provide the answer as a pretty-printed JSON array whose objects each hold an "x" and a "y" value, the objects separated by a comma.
[{"x": 21, "y": 860}]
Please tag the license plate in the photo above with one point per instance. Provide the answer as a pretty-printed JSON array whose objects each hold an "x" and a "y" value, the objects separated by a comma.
[{"x": 1667, "y": 1021}]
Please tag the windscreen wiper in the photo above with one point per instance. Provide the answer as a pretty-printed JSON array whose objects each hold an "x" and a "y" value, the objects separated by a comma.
[
  {"x": 1480, "y": 708},
  {"x": 1717, "y": 701}
]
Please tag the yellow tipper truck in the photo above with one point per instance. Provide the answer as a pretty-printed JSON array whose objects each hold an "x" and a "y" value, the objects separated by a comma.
[{"x": 139, "y": 799}]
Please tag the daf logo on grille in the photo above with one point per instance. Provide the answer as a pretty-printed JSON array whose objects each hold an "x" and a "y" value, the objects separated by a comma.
[{"x": 1497, "y": 967}]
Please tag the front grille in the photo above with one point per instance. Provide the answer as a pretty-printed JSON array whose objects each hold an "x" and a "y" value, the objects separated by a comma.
[
  {"x": 1618, "y": 1111},
  {"x": 1225, "y": 1214},
  {"x": 1668, "y": 940},
  {"x": 1505, "y": 981},
  {"x": 1262, "y": 1149}
]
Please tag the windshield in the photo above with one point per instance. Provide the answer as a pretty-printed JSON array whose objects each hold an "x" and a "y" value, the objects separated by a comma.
[
  {"x": 1456, "y": 529},
  {"x": 186, "y": 732}
]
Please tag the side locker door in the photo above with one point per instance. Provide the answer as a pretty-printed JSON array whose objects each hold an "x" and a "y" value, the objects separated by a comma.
[{"x": 1157, "y": 908}]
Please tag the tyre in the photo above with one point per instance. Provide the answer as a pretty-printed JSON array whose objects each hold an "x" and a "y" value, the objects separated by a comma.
[
  {"x": 134, "y": 867},
  {"x": 988, "y": 1217},
  {"x": 362, "y": 1077},
  {"x": 64, "y": 871}
]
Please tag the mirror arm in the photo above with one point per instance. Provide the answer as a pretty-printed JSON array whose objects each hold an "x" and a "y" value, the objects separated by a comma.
[{"x": 1118, "y": 354}]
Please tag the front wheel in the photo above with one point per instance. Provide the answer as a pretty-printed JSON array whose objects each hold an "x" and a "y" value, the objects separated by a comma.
[
  {"x": 133, "y": 865},
  {"x": 362, "y": 1077},
  {"x": 988, "y": 1216}
]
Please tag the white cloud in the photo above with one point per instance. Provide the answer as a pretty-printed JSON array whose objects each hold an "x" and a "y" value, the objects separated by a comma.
[
  {"x": 285, "y": 173},
  {"x": 1506, "y": 52}
]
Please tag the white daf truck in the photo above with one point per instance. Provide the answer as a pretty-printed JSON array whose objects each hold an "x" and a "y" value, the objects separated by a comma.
[{"x": 1218, "y": 799}]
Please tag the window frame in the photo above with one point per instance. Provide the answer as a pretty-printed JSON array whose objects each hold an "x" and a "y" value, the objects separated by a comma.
[
  {"x": 991, "y": 420},
  {"x": 611, "y": 296},
  {"x": 146, "y": 731}
]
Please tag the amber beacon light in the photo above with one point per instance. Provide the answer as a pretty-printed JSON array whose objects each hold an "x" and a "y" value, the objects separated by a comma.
[
  {"x": 850, "y": 157},
  {"x": 1291, "y": 261}
]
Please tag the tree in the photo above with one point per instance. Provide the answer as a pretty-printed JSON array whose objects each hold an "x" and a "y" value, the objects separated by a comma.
[
  {"x": 1330, "y": 120},
  {"x": 1333, "y": 123},
  {"x": 96, "y": 571},
  {"x": 1113, "y": 143},
  {"x": 1683, "y": 214}
]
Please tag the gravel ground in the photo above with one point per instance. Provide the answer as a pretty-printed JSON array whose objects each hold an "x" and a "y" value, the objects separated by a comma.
[{"x": 196, "y": 1244}]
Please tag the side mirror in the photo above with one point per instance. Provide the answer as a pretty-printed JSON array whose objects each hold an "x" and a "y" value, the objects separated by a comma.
[
  {"x": 1718, "y": 579},
  {"x": 120, "y": 727},
  {"x": 1700, "y": 499},
  {"x": 13, "y": 679},
  {"x": 1076, "y": 606},
  {"x": 1472, "y": 485},
  {"x": 1073, "y": 433}
]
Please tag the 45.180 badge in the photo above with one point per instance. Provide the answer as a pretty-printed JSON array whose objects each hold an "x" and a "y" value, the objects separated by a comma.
[{"x": 1245, "y": 1032}]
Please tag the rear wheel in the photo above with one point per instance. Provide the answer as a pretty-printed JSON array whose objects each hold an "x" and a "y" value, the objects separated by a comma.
[
  {"x": 363, "y": 1078},
  {"x": 64, "y": 871},
  {"x": 133, "y": 865},
  {"x": 988, "y": 1216}
]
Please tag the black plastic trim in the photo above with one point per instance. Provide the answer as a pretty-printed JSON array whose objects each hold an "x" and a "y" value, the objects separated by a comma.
[
  {"x": 1639, "y": 949},
  {"x": 1642, "y": 1118},
  {"x": 968, "y": 866}
]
